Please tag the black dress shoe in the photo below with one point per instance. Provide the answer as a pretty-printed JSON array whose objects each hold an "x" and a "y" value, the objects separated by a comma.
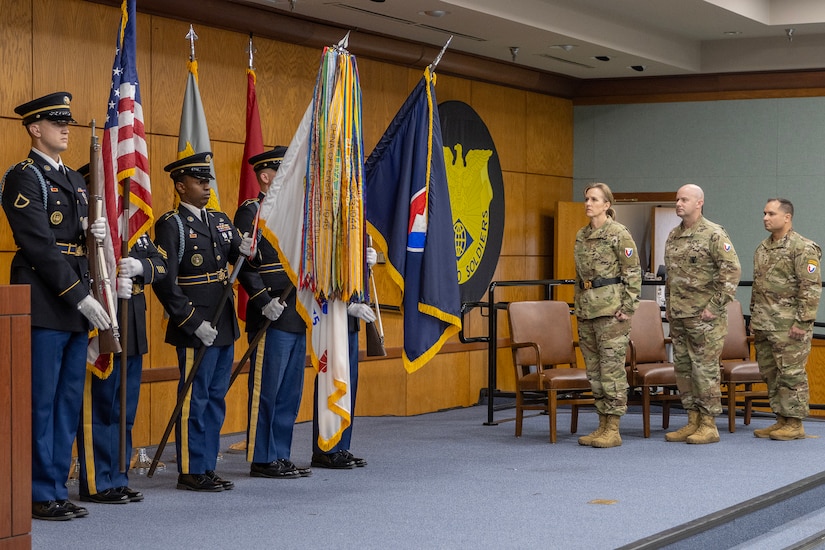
[
  {"x": 360, "y": 462},
  {"x": 108, "y": 496},
  {"x": 303, "y": 472},
  {"x": 51, "y": 510},
  {"x": 78, "y": 511},
  {"x": 334, "y": 461},
  {"x": 225, "y": 483},
  {"x": 272, "y": 469},
  {"x": 134, "y": 496},
  {"x": 198, "y": 482}
]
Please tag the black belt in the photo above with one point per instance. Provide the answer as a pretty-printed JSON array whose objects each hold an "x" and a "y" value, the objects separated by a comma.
[
  {"x": 218, "y": 277},
  {"x": 596, "y": 283}
]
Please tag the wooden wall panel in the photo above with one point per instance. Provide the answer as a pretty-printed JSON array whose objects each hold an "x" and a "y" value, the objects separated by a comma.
[
  {"x": 549, "y": 136},
  {"x": 382, "y": 388},
  {"x": 440, "y": 384},
  {"x": 16, "y": 53}
]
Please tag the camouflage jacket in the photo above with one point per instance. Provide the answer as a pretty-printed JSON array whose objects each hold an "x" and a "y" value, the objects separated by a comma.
[
  {"x": 786, "y": 283},
  {"x": 605, "y": 253},
  {"x": 702, "y": 270}
]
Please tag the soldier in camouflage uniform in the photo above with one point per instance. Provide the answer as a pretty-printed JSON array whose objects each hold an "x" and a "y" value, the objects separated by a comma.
[
  {"x": 702, "y": 274},
  {"x": 608, "y": 283},
  {"x": 786, "y": 289}
]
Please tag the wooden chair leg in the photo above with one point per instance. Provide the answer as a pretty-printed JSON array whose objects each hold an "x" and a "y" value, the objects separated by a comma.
[
  {"x": 519, "y": 413},
  {"x": 646, "y": 410},
  {"x": 666, "y": 409},
  {"x": 732, "y": 407},
  {"x": 551, "y": 412},
  {"x": 748, "y": 404},
  {"x": 574, "y": 418}
]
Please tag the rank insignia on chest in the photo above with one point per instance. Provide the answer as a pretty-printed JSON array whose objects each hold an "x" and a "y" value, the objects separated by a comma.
[
  {"x": 812, "y": 265},
  {"x": 726, "y": 246},
  {"x": 628, "y": 252},
  {"x": 53, "y": 189},
  {"x": 192, "y": 234}
]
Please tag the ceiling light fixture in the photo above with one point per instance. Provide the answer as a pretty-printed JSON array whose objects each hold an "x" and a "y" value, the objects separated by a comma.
[
  {"x": 732, "y": 33},
  {"x": 638, "y": 68},
  {"x": 789, "y": 33},
  {"x": 601, "y": 57},
  {"x": 565, "y": 47},
  {"x": 514, "y": 52},
  {"x": 434, "y": 13}
]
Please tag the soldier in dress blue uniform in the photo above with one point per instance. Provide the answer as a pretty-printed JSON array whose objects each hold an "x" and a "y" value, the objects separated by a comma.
[
  {"x": 98, "y": 438},
  {"x": 47, "y": 207},
  {"x": 198, "y": 245},
  {"x": 276, "y": 374}
]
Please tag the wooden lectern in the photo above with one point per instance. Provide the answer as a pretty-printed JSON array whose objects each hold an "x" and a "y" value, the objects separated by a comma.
[{"x": 15, "y": 418}]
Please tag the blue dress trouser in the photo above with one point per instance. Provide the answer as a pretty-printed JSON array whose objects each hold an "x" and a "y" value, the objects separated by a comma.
[
  {"x": 58, "y": 370},
  {"x": 276, "y": 384},
  {"x": 98, "y": 438},
  {"x": 346, "y": 436},
  {"x": 198, "y": 430}
]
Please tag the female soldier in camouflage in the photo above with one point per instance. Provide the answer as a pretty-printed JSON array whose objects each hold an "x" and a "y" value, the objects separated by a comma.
[{"x": 608, "y": 283}]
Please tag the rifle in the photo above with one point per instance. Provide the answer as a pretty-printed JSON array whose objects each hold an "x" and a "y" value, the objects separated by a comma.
[
  {"x": 375, "y": 334},
  {"x": 196, "y": 363},
  {"x": 109, "y": 339}
]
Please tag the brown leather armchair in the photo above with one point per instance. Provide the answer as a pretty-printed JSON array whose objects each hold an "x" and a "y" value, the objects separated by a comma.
[
  {"x": 651, "y": 377},
  {"x": 541, "y": 337},
  {"x": 737, "y": 367}
]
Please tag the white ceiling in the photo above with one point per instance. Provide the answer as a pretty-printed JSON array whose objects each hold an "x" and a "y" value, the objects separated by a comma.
[{"x": 666, "y": 37}]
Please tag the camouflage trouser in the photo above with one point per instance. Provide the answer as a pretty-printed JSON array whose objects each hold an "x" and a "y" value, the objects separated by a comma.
[
  {"x": 782, "y": 364},
  {"x": 603, "y": 342},
  {"x": 697, "y": 346}
]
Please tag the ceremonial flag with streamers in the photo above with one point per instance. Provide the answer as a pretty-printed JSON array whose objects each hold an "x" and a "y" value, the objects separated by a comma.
[
  {"x": 125, "y": 161},
  {"x": 248, "y": 188},
  {"x": 319, "y": 179},
  {"x": 408, "y": 211},
  {"x": 193, "y": 136}
]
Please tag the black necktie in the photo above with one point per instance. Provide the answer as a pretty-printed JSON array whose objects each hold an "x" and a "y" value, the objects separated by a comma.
[{"x": 203, "y": 218}]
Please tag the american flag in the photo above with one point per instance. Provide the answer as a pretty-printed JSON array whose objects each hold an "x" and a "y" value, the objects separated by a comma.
[{"x": 125, "y": 157}]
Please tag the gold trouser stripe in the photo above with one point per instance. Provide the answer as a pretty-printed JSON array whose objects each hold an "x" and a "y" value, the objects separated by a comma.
[
  {"x": 255, "y": 399},
  {"x": 88, "y": 440},
  {"x": 184, "y": 414}
]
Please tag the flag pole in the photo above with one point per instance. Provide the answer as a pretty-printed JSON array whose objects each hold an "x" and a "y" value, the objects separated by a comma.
[
  {"x": 251, "y": 51},
  {"x": 192, "y": 37},
  {"x": 124, "y": 325},
  {"x": 437, "y": 59}
]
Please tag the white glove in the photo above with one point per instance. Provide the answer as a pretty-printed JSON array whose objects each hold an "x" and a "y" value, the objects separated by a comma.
[
  {"x": 129, "y": 267},
  {"x": 94, "y": 312},
  {"x": 246, "y": 245},
  {"x": 98, "y": 229},
  {"x": 372, "y": 256},
  {"x": 207, "y": 333},
  {"x": 273, "y": 309},
  {"x": 362, "y": 311},
  {"x": 124, "y": 288}
]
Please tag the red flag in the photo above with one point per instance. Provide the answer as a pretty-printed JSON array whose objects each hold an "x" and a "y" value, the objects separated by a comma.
[{"x": 248, "y": 188}]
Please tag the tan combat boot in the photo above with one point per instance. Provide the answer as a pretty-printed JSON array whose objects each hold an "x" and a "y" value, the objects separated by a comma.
[
  {"x": 766, "y": 432},
  {"x": 706, "y": 432},
  {"x": 682, "y": 434},
  {"x": 610, "y": 436},
  {"x": 588, "y": 439},
  {"x": 791, "y": 430}
]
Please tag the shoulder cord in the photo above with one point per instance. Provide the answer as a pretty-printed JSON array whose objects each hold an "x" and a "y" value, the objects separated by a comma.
[{"x": 40, "y": 178}]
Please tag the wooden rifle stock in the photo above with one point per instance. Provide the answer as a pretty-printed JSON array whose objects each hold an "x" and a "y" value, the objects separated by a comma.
[{"x": 109, "y": 339}]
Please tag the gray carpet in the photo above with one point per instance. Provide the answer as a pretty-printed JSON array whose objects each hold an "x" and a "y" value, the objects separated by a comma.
[{"x": 444, "y": 480}]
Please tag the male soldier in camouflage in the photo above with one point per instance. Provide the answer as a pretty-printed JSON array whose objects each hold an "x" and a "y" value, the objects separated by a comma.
[
  {"x": 786, "y": 289},
  {"x": 702, "y": 274},
  {"x": 608, "y": 281}
]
